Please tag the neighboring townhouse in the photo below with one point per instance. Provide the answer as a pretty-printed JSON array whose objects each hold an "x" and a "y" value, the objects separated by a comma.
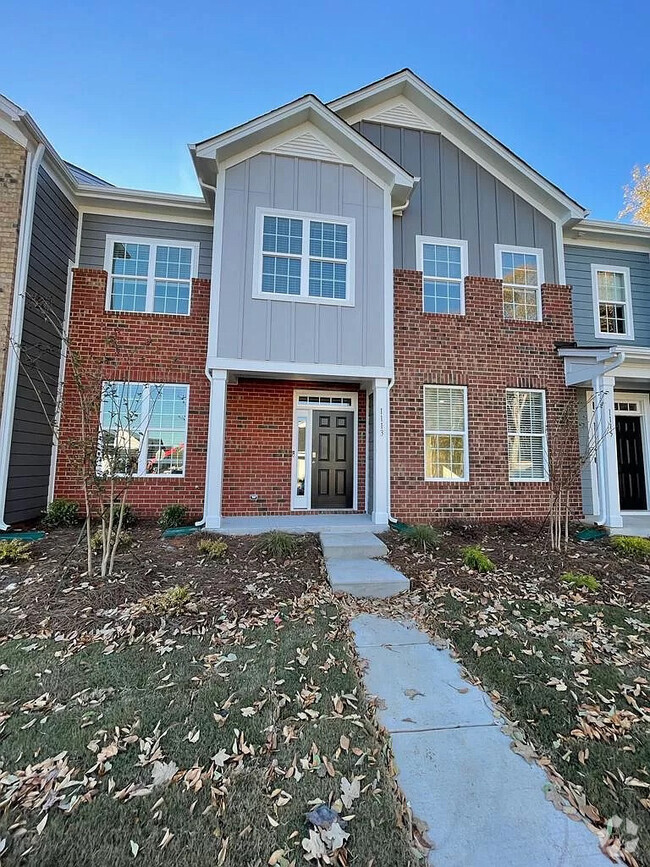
[
  {"x": 368, "y": 314},
  {"x": 38, "y": 230},
  {"x": 608, "y": 266}
]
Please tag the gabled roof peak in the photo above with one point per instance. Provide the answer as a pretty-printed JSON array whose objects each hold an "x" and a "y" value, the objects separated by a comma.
[{"x": 388, "y": 100}]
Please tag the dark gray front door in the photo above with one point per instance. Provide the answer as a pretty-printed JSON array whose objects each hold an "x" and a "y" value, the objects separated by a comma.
[
  {"x": 332, "y": 472},
  {"x": 631, "y": 470}
]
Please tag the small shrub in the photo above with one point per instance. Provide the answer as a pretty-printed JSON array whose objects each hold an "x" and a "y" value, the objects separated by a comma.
[
  {"x": 14, "y": 551},
  {"x": 631, "y": 546},
  {"x": 423, "y": 535},
  {"x": 129, "y": 520},
  {"x": 277, "y": 545},
  {"x": 173, "y": 516},
  {"x": 62, "y": 513},
  {"x": 580, "y": 579},
  {"x": 174, "y": 599},
  {"x": 475, "y": 559},
  {"x": 126, "y": 540},
  {"x": 213, "y": 549}
]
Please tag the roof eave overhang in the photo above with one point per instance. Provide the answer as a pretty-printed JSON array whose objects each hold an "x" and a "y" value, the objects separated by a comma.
[
  {"x": 91, "y": 197},
  {"x": 603, "y": 231},
  {"x": 468, "y": 135},
  {"x": 209, "y": 156}
]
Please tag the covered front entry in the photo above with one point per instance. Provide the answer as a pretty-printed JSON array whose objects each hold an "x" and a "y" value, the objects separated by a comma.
[
  {"x": 324, "y": 469},
  {"x": 614, "y": 434}
]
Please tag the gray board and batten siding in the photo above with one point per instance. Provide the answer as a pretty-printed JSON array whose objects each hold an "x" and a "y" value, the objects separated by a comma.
[
  {"x": 457, "y": 198},
  {"x": 579, "y": 260},
  {"x": 95, "y": 228},
  {"x": 52, "y": 247},
  {"x": 274, "y": 330}
]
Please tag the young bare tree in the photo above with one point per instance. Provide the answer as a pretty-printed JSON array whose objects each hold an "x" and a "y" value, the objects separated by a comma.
[
  {"x": 104, "y": 452},
  {"x": 566, "y": 463}
]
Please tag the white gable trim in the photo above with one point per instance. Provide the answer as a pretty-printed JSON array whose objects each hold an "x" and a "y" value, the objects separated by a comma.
[
  {"x": 399, "y": 112},
  {"x": 305, "y": 140}
]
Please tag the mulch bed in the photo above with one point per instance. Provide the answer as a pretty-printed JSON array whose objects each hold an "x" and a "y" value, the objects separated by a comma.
[
  {"x": 523, "y": 558},
  {"x": 52, "y": 591}
]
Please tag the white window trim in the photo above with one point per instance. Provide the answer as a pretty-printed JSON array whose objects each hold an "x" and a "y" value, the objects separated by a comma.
[
  {"x": 142, "y": 457},
  {"x": 194, "y": 246},
  {"x": 545, "y": 477},
  {"x": 530, "y": 251},
  {"x": 629, "y": 320},
  {"x": 304, "y": 257},
  {"x": 465, "y": 434},
  {"x": 420, "y": 241}
]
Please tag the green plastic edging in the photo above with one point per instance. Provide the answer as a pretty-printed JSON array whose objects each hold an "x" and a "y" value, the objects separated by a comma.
[
  {"x": 590, "y": 534},
  {"x": 178, "y": 531},
  {"x": 26, "y": 536}
]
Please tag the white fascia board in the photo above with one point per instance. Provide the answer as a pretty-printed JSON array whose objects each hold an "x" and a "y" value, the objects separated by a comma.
[
  {"x": 256, "y": 134},
  {"x": 143, "y": 204},
  {"x": 609, "y": 235},
  {"x": 313, "y": 370},
  {"x": 468, "y": 136}
]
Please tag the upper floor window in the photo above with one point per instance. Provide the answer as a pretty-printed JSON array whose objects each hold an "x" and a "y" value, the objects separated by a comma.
[
  {"x": 150, "y": 276},
  {"x": 527, "y": 443},
  {"x": 522, "y": 272},
  {"x": 303, "y": 257},
  {"x": 443, "y": 263},
  {"x": 612, "y": 301},
  {"x": 143, "y": 429}
]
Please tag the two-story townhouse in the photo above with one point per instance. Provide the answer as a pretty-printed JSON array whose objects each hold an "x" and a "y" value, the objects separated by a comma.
[{"x": 367, "y": 315}]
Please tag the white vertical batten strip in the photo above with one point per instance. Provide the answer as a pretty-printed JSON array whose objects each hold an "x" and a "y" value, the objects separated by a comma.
[{"x": 32, "y": 166}]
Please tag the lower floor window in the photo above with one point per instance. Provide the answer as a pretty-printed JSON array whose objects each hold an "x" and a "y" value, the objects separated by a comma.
[
  {"x": 527, "y": 443},
  {"x": 143, "y": 429},
  {"x": 445, "y": 433}
]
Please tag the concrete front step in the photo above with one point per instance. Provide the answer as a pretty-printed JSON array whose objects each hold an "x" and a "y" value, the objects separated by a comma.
[
  {"x": 363, "y": 577},
  {"x": 352, "y": 546}
]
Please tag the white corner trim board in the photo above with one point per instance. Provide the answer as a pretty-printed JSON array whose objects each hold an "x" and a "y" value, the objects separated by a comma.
[{"x": 17, "y": 316}]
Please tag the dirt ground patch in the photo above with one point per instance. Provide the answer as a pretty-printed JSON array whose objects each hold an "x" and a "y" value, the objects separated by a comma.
[
  {"x": 523, "y": 560},
  {"x": 52, "y": 591}
]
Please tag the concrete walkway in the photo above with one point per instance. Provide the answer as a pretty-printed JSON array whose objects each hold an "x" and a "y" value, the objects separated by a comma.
[
  {"x": 353, "y": 565},
  {"x": 483, "y": 804}
]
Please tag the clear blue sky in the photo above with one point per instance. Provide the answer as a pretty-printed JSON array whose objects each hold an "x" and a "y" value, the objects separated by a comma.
[{"x": 121, "y": 88}]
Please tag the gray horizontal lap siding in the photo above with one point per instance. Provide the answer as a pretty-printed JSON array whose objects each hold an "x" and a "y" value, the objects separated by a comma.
[
  {"x": 257, "y": 329},
  {"x": 579, "y": 260},
  {"x": 457, "y": 198},
  {"x": 53, "y": 242},
  {"x": 95, "y": 228}
]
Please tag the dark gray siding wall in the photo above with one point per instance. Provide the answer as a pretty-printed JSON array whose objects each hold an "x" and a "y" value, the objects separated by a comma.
[
  {"x": 457, "y": 198},
  {"x": 53, "y": 242},
  {"x": 261, "y": 329},
  {"x": 578, "y": 261},
  {"x": 95, "y": 227}
]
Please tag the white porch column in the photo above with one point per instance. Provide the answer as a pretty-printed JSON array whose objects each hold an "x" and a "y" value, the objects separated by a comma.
[
  {"x": 381, "y": 452},
  {"x": 216, "y": 442},
  {"x": 607, "y": 459}
]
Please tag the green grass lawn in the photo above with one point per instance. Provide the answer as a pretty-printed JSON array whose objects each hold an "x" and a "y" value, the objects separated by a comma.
[
  {"x": 261, "y": 724},
  {"x": 575, "y": 679}
]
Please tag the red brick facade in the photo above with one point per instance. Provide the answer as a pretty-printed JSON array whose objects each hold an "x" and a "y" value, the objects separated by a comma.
[
  {"x": 259, "y": 443},
  {"x": 153, "y": 348},
  {"x": 487, "y": 354}
]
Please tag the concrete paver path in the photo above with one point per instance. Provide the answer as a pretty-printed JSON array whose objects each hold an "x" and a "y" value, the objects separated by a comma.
[{"x": 483, "y": 804}]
